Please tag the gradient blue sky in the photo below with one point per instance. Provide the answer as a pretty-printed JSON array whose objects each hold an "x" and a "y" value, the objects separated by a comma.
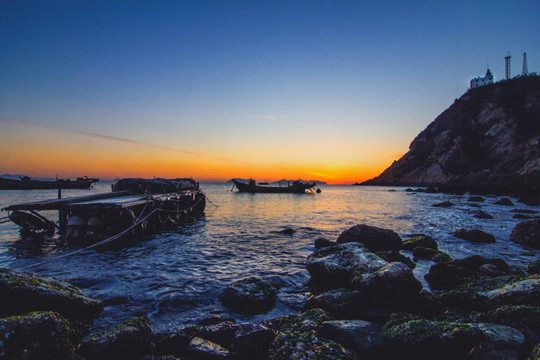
[{"x": 272, "y": 88}]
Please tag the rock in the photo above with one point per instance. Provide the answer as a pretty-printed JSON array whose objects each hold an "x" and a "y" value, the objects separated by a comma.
[
  {"x": 334, "y": 267},
  {"x": 533, "y": 267},
  {"x": 535, "y": 354},
  {"x": 359, "y": 336},
  {"x": 474, "y": 236},
  {"x": 479, "y": 214},
  {"x": 523, "y": 317},
  {"x": 296, "y": 339},
  {"x": 322, "y": 243},
  {"x": 286, "y": 231},
  {"x": 521, "y": 216},
  {"x": 252, "y": 341},
  {"x": 476, "y": 199},
  {"x": 424, "y": 253},
  {"x": 524, "y": 292},
  {"x": 394, "y": 279},
  {"x": 488, "y": 351},
  {"x": 37, "y": 335},
  {"x": 214, "y": 320},
  {"x": 395, "y": 256},
  {"x": 441, "y": 258},
  {"x": 374, "y": 238},
  {"x": 130, "y": 340},
  {"x": 432, "y": 339},
  {"x": 444, "y": 204},
  {"x": 524, "y": 211},
  {"x": 527, "y": 233},
  {"x": 23, "y": 292},
  {"x": 419, "y": 240},
  {"x": 445, "y": 276},
  {"x": 474, "y": 263},
  {"x": 504, "y": 202},
  {"x": 500, "y": 342},
  {"x": 206, "y": 350},
  {"x": 250, "y": 295},
  {"x": 340, "y": 303}
]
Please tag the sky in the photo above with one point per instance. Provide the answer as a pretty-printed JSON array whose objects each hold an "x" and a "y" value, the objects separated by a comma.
[{"x": 327, "y": 90}]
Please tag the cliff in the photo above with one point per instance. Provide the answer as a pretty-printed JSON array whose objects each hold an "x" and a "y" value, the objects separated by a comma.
[{"x": 490, "y": 137}]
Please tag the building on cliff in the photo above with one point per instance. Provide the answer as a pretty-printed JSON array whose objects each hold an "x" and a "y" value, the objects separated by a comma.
[{"x": 482, "y": 81}]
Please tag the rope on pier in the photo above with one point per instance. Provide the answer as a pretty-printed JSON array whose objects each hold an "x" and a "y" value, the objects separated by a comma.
[{"x": 4, "y": 220}]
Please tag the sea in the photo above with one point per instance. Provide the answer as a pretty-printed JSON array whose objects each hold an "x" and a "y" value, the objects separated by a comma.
[{"x": 175, "y": 277}]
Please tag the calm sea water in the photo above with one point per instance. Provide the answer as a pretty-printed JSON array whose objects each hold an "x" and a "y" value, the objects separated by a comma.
[{"x": 175, "y": 277}]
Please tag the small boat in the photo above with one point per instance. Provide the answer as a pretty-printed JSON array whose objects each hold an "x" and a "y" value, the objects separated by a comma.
[
  {"x": 27, "y": 183},
  {"x": 297, "y": 187}
]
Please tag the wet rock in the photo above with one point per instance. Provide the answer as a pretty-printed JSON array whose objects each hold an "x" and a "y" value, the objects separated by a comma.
[
  {"x": 23, "y": 292},
  {"x": 202, "y": 349},
  {"x": 533, "y": 267},
  {"x": 535, "y": 354},
  {"x": 444, "y": 204},
  {"x": 214, "y": 320},
  {"x": 441, "y": 258},
  {"x": 521, "y": 216},
  {"x": 504, "y": 202},
  {"x": 395, "y": 279},
  {"x": 432, "y": 339},
  {"x": 476, "y": 199},
  {"x": 252, "y": 341},
  {"x": 524, "y": 211},
  {"x": 37, "y": 335},
  {"x": 340, "y": 303},
  {"x": 527, "y": 233},
  {"x": 500, "y": 342},
  {"x": 221, "y": 334},
  {"x": 373, "y": 238},
  {"x": 444, "y": 276},
  {"x": 419, "y": 240},
  {"x": 474, "y": 263},
  {"x": 524, "y": 292},
  {"x": 250, "y": 295},
  {"x": 424, "y": 253},
  {"x": 296, "y": 339},
  {"x": 360, "y": 336},
  {"x": 334, "y": 267},
  {"x": 523, "y": 317},
  {"x": 488, "y": 351},
  {"x": 322, "y": 243},
  {"x": 474, "y": 236},
  {"x": 479, "y": 214},
  {"x": 130, "y": 340},
  {"x": 286, "y": 231},
  {"x": 395, "y": 256}
]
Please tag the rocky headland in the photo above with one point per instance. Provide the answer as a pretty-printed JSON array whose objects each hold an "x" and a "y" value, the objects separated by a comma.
[
  {"x": 365, "y": 303},
  {"x": 486, "y": 142}
]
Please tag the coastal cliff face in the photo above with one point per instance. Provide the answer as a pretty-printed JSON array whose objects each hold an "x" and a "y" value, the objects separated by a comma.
[{"x": 490, "y": 133}]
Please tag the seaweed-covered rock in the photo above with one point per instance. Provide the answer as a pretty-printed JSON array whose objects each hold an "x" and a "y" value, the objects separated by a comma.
[
  {"x": 250, "y": 295},
  {"x": 395, "y": 279},
  {"x": 527, "y": 233},
  {"x": 441, "y": 258},
  {"x": 206, "y": 350},
  {"x": 474, "y": 236},
  {"x": 296, "y": 339},
  {"x": 444, "y": 276},
  {"x": 500, "y": 342},
  {"x": 421, "y": 252},
  {"x": 252, "y": 341},
  {"x": 21, "y": 293},
  {"x": 533, "y": 267},
  {"x": 335, "y": 266},
  {"x": 130, "y": 340},
  {"x": 524, "y": 292},
  {"x": 419, "y": 240},
  {"x": 340, "y": 303},
  {"x": 360, "y": 336},
  {"x": 374, "y": 238},
  {"x": 432, "y": 339},
  {"x": 521, "y": 317},
  {"x": 37, "y": 335}
]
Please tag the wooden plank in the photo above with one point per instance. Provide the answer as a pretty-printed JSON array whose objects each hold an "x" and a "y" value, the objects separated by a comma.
[{"x": 57, "y": 204}]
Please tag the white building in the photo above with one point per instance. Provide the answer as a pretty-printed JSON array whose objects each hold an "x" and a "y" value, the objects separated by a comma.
[{"x": 481, "y": 81}]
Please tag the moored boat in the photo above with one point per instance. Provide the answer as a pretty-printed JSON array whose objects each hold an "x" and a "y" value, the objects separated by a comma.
[
  {"x": 297, "y": 187},
  {"x": 27, "y": 183}
]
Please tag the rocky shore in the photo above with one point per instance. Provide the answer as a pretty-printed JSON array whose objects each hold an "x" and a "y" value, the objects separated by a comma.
[{"x": 364, "y": 303}]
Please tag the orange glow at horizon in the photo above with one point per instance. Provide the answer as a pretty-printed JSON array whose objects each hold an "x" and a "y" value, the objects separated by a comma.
[{"x": 38, "y": 153}]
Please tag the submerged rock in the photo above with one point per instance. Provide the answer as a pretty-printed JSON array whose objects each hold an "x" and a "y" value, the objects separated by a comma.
[
  {"x": 444, "y": 204},
  {"x": 250, "y": 295},
  {"x": 23, "y": 292},
  {"x": 474, "y": 236},
  {"x": 527, "y": 233},
  {"x": 374, "y": 238},
  {"x": 504, "y": 202},
  {"x": 37, "y": 335},
  {"x": 130, "y": 340},
  {"x": 479, "y": 214}
]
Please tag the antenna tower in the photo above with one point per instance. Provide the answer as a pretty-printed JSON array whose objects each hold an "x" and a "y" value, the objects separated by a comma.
[
  {"x": 525, "y": 71},
  {"x": 507, "y": 66}
]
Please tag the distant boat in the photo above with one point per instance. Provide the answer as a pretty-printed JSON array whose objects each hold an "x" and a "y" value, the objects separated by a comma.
[
  {"x": 297, "y": 187},
  {"x": 26, "y": 183}
]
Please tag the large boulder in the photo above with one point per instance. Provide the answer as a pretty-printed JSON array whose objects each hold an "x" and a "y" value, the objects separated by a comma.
[
  {"x": 527, "y": 233},
  {"x": 360, "y": 336},
  {"x": 335, "y": 266},
  {"x": 340, "y": 303},
  {"x": 250, "y": 295},
  {"x": 394, "y": 279},
  {"x": 524, "y": 292},
  {"x": 130, "y": 340},
  {"x": 500, "y": 343},
  {"x": 37, "y": 335},
  {"x": 474, "y": 236},
  {"x": 419, "y": 240},
  {"x": 21, "y": 293},
  {"x": 252, "y": 341},
  {"x": 374, "y": 238}
]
